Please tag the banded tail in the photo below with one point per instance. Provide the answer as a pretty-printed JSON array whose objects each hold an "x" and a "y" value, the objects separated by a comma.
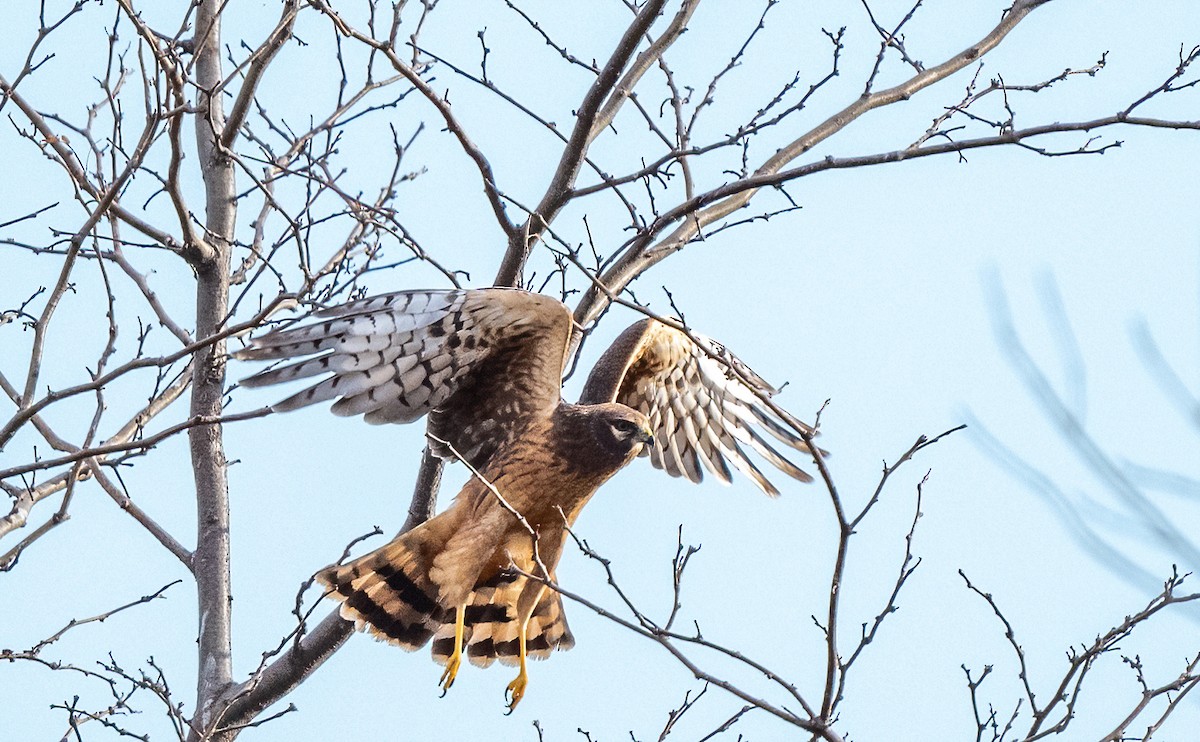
[
  {"x": 389, "y": 593},
  {"x": 492, "y": 629}
]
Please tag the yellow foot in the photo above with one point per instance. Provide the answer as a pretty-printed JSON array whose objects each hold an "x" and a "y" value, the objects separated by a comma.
[
  {"x": 451, "y": 670},
  {"x": 516, "y": 690}
]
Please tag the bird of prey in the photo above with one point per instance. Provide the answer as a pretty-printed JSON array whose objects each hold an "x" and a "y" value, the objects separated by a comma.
[{"x": 486, "y": 366}]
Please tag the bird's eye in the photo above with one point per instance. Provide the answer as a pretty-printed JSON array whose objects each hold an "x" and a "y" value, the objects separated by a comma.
[{"x": 625, "y": 426}]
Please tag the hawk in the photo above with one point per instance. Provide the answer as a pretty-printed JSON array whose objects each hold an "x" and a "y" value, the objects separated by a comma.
[{"x": 486, "y": 366}]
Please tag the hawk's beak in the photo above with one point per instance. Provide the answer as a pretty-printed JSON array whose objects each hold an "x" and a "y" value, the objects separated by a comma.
[{"x": 645, "y": 436}]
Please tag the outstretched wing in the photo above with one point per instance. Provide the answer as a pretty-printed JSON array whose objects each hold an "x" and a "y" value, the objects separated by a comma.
[
  {"x": 703, "y": 415},
  {"x": 480, "y": 362}
]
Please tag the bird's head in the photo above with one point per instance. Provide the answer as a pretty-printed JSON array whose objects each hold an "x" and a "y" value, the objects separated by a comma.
[
  {"x": 619, "y": 431},
  {"x": 630, "y": 429},
  {"x": 601, "y": 438}
]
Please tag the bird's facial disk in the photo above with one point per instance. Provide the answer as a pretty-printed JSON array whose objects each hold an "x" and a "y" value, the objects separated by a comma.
[{"x": 631, "y": 431}]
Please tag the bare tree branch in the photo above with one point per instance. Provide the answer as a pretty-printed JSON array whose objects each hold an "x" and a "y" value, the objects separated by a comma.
[{"x": 558, "y": 191}]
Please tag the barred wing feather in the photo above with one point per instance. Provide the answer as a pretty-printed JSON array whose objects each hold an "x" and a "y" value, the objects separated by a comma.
[
  {"x": 479, "y": 360},
  {"x": 704, "y": 416}
]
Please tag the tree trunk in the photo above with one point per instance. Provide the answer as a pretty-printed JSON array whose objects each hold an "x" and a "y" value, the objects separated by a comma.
[{"x": 211, "y": 561}]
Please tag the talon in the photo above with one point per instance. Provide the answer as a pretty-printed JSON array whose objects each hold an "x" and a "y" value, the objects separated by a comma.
[
  {"x": 448, "y": 674},
  {"x": 455, "y": 659},
  {"x": 516, "y": 690}
]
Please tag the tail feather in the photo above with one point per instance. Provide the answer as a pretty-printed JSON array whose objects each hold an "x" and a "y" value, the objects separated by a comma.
[
  {"x": 547, "y": 632},
  {"x": 502, "y": 591},
  {"x": 548, "y": 629},
  {"x": 389, "y": 593},
  {"x": 493, "y": 603},
  {"x": 492, "y": 630}
]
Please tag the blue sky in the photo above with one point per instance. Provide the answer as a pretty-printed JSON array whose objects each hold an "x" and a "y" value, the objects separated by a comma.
[{"x": 875, "y": 295}]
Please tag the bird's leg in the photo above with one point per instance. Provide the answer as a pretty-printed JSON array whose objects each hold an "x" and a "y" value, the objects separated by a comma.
[
  {"x": 455, "y": 658},
  {"x": 516, "y": 689}
]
